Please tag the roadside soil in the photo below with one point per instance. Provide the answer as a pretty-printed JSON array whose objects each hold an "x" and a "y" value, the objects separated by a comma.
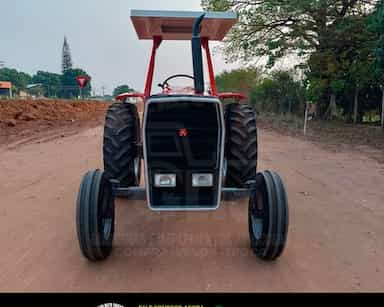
[
  {"x": 28, "y": 120},
  {"x": 331, "y": 135},
  {"x": 335, "y": 240}
]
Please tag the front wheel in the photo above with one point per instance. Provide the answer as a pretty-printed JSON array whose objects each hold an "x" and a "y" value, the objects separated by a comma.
[
  {"x": 95, "y": 216},
  {"x": 268, "y": 216}
]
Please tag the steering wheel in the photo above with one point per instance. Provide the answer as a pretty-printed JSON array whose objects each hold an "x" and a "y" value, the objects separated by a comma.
[{"x": 165, "y": 83}]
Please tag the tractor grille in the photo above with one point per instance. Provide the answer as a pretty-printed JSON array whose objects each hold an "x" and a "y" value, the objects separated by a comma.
[{"x": 183, "y": 138}]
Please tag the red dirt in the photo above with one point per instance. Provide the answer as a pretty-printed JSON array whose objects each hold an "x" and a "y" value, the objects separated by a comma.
[
  {"x": 20, "y": 119},
  {"x": 335, "y": 240},
  {"x": 334, "y": 243}
]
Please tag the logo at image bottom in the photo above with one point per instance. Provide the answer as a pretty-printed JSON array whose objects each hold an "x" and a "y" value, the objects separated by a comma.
[{"x": 111, "y": 305}]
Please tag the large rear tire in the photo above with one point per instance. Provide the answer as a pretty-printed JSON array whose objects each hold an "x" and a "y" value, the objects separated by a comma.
[
  {"x": 122, "y": 160},
  {"x": 241, "y": 145},
  {"x": 95, "y": 216}
]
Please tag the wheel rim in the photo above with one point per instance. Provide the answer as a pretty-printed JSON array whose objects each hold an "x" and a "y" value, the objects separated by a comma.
[
  {"x": 107, "y": 217},
  {"x": 225, "y": 169},
  {"x": 257, "y": 216},
  {"x": 107, "y": 227},
  {"x": 136, "y": 167},
  {"x": 257, "y": 227}
]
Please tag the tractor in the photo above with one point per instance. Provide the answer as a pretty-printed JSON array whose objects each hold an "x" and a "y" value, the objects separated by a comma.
[{"x": 197, "y": 146}]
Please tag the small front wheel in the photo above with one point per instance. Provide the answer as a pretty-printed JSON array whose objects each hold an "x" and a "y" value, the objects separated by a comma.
[
  {"x": 268, "y": 216},
  {"x": 95, "y": 216}
]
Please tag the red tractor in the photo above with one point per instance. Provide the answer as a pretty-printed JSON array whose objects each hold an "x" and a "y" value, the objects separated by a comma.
[{"x": 196, "y": 148}]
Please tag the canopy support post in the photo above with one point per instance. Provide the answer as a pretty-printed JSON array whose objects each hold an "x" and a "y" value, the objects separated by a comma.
[
  {"x": 148, "y": 84},
  {"x": 205, "y": 44}
]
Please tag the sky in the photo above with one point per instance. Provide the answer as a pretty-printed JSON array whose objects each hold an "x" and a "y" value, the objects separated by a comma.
[{"x": 101, "y": 37}]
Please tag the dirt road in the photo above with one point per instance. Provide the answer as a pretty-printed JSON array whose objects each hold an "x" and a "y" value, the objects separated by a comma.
[{"x": 335, "y": 237}]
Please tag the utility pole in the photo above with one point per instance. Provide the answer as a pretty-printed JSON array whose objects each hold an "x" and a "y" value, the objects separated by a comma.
[
  {"x": 103, "y": 90},
  {"x": 306, "y": 117}
]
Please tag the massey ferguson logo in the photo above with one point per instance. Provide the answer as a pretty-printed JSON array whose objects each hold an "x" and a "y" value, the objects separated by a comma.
[{"x": 183, "y": 132}]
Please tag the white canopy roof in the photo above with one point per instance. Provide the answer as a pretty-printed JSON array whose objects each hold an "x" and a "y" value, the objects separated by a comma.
[{"x": 177, "y": 25}]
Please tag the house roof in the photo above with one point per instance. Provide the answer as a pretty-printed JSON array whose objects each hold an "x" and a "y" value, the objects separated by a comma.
[{"x": 5, "y": 85}]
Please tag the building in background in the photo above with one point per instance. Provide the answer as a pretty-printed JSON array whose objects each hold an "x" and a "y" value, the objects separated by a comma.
[
  {"x": 36, "y": 90},
  {"x": 5, "y": 89}
]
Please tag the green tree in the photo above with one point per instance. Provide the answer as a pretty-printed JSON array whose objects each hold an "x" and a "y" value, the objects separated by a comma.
[
  {"x": 51, "y": 82},
  {"x": 345, "y": 66},
  {"x": 19, "y": 80},
  {"x": 66, "y": 62},
  {"x": 330, "y": 37},
  {"x": 70, "y": 88},
  {"x": 276, "y": 28},
  {"x": 122, "y": 89},
  {"x": 265, "y": 96},
  {"x": 279, "y": 93},
  {"x": 238, "y": 80},
  {"x": 377, "y": 24}
]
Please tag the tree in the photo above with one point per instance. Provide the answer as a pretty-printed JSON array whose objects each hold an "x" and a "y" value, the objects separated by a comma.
[
  {"x": 122, "y": 89},
  {"x": 265, "y": 96},
  {"x": 378, "y": 27},
  {"x": 276, "y": 28},
  {"x": 313, "y": 30},
  {"x": 19, "y": 80},
  {"x": 70, "y": 88},
  {"x": 377, "y": 23},
  {"x": 279, "y": 93},
  {"x": 66, "y": 57},
  {"x": 345, "y": 66},
  {"x": 50, "y": 81},
  {"x": 238, "y": 80}
]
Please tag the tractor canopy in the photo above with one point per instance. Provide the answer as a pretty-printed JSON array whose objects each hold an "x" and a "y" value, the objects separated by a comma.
[
  {"x": 177, "y": 25},
  {"x": 197, "y": 27}
]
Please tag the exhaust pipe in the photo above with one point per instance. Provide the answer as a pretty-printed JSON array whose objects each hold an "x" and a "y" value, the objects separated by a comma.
[{"x": 197, "y": 56}]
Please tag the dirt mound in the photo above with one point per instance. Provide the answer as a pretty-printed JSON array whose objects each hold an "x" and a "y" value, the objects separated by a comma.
[{"x": 25, "y": 118}]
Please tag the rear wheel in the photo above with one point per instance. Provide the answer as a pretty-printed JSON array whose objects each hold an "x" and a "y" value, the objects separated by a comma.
[
  {"x": 241, "y": 145},
  {"x": 95, "y": 216},
  {"x": 121, "y": 137},
  {"x": 268, "y": 216}
]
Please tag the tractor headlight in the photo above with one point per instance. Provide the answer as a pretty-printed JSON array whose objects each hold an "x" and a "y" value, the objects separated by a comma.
[
  {"x": 202, "y": 180},
  {"x": 165, "y": 180}
]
